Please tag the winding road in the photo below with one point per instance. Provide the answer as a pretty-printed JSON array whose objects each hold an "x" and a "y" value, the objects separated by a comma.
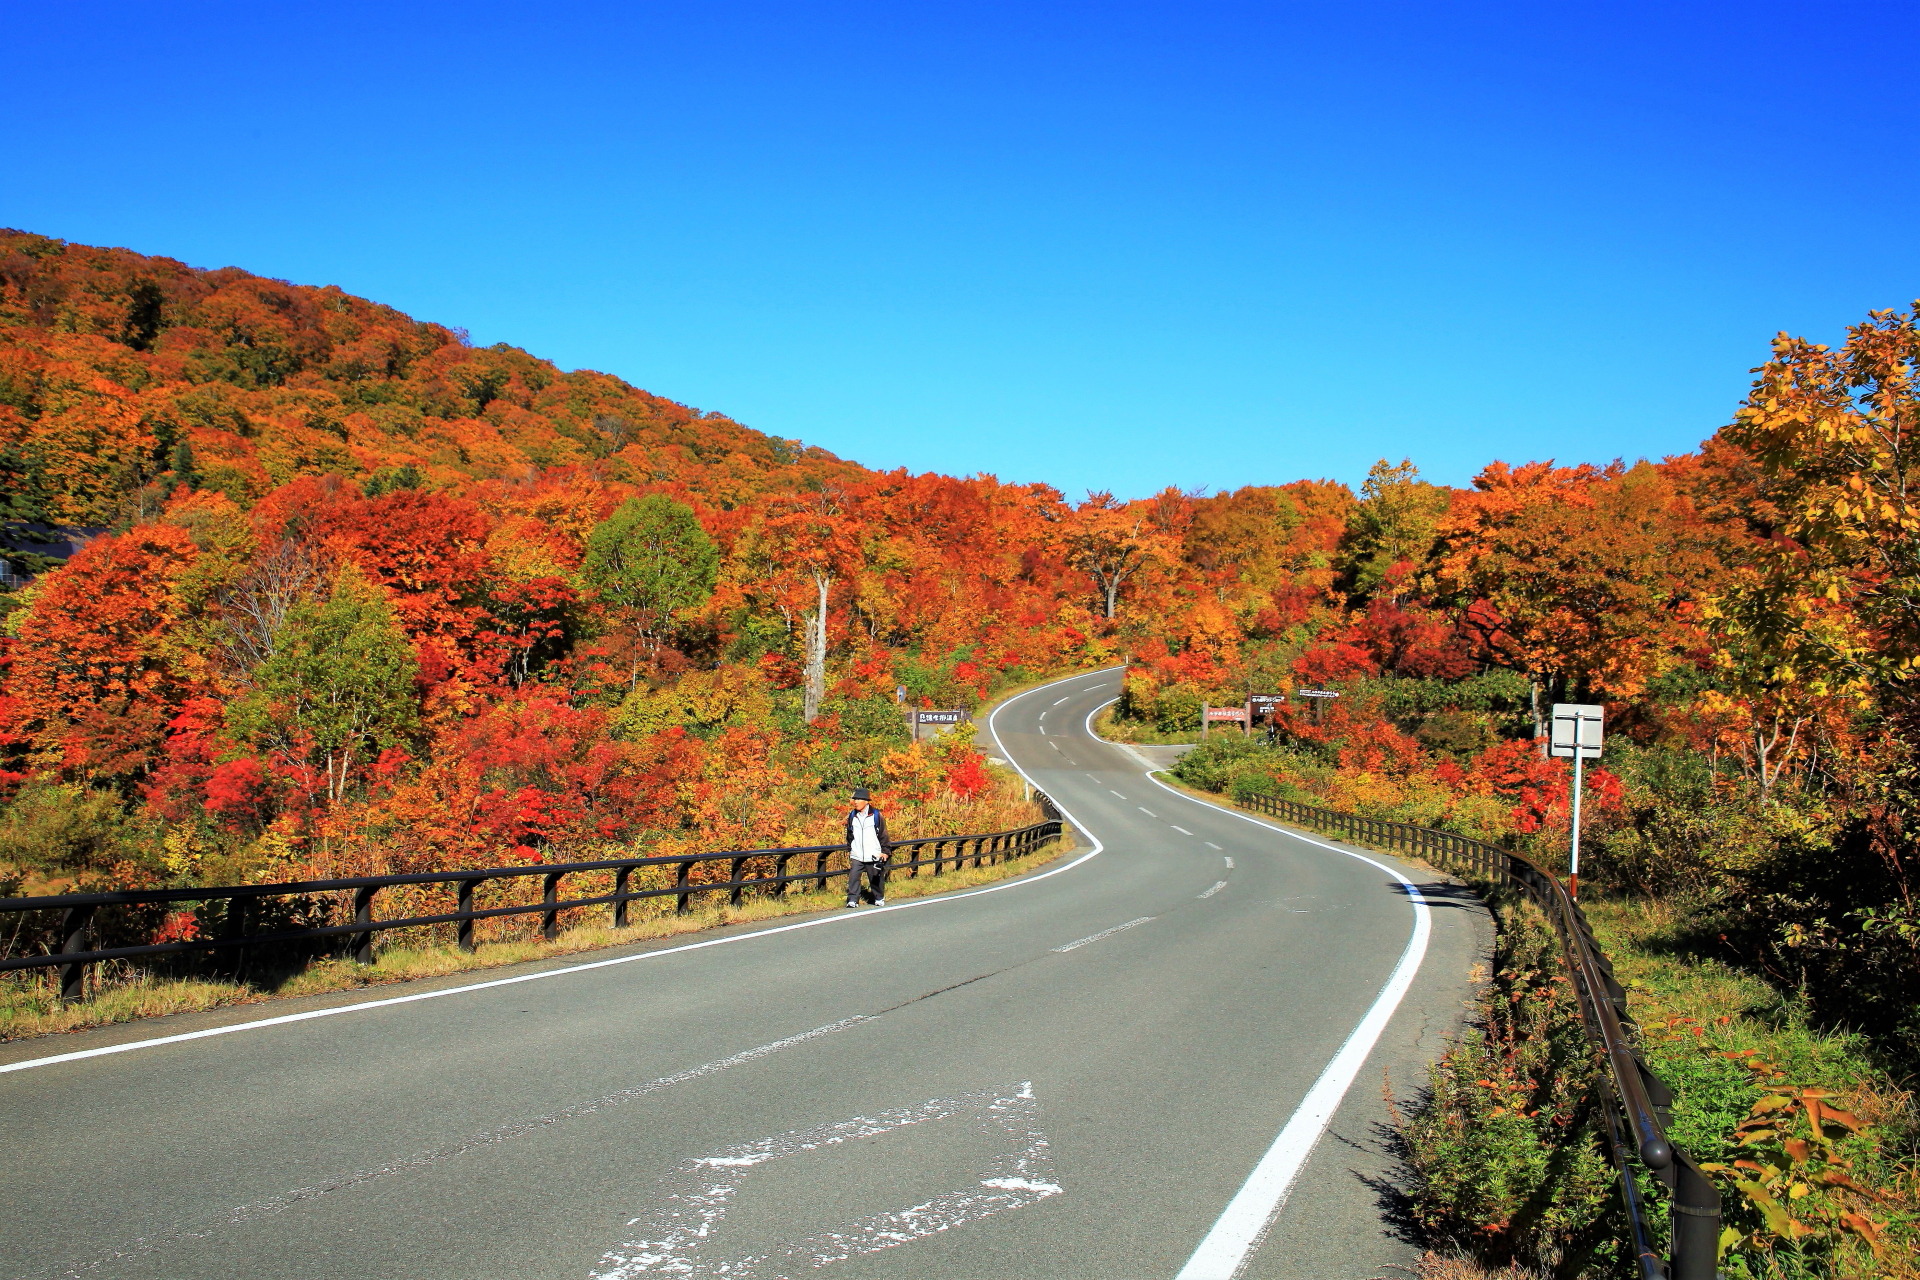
[{"x": 1160, "y": 1056}]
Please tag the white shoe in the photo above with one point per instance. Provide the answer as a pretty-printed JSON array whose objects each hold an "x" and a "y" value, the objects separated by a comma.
[{"x": 879, "y": 902}]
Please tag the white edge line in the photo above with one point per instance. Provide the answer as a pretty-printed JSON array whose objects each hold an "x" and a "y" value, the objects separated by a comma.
[
  {"x": 1244, "y": 1223},
  {"x": 837, "y": 918}
]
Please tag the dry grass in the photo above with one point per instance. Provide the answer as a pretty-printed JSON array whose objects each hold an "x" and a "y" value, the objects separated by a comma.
[
  {"x": 1434, "y": 1267},
  {"x": 29, "y": 1005}
]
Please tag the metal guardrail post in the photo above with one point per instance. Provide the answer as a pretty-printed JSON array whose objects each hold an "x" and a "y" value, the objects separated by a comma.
[
  {"x": 75, "y": 925},
  {"x": 363, "y": 914},
  {"x": 621, "y": 879},
  {"x": 465, "y": 907},
  {"x": 684, "y": 900},
  {"x": 733, "y": 875},
  {"x": 232, "y": 929},
  {"x": 549, "y": 896},
  {"x": 780, "y": 872},
  {"x": 1696, "y": 1221}
]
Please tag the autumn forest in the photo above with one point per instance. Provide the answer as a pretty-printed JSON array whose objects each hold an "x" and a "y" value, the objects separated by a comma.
[{"x": 358, "y": 596}]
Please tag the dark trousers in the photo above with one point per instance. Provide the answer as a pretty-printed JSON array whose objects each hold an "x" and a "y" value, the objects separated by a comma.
[{"x": 876, "y": 876}]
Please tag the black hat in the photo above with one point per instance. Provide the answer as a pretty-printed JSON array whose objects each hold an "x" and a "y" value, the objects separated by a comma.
[{"x": 861, "y": 793}]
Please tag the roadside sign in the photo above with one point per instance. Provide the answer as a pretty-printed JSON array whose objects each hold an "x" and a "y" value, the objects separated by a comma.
[
  {"x": 1226, "y": 713},
  {"x": 1266, "y": 702},
  {"x": 1580, "y": 725},
  {"x": 1577, "y": 734},
  {"x": 937, "y": 719},
  {"x": 1319, "y": 703}
]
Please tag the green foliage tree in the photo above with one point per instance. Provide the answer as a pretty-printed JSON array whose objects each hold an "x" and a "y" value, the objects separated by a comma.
[
  {"x": 652, "y": 559},
  {"x": 1397, "y": 521},
  {"x": 339, "y": 686}
]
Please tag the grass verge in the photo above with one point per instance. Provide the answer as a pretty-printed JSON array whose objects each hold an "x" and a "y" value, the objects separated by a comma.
[{"x": 29, "y": 1003}]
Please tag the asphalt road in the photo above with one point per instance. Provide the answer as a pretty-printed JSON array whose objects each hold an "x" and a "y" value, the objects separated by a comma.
[{"x": 1161, "y": 1056}]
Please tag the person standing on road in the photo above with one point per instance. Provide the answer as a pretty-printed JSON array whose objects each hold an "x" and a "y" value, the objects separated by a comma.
[{"x": 867, "y": 849}]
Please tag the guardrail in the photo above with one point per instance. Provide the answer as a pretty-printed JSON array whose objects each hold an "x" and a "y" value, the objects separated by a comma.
[
  {"x": 1635, "y": 1105},
  {"x": 77, "y": 925}
]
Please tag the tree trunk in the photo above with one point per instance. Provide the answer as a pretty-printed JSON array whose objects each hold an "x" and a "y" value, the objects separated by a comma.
[
  {"x": 1539, "y": 721},
  {"x": 1113, "y": 593},
  {"x": 816, "y": 692}
]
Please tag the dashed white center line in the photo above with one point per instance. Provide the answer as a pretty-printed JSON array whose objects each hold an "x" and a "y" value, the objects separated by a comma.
[
  {"x": 1104, "y": 933},
  {"x": 1229, "y": 860},
  {"x": 1211, "y": 845},
  {"x": 1062, "y": 700},
  {"x": 1054, "y": 745},
  {"x": 1216, "y": 888},
  {"x": 1150, "y": 813},
  {"x": 1111, "y": 791},
  {"x": 1182, "y": 830}
]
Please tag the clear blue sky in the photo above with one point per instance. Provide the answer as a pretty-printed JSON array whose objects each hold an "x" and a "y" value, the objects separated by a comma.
[{"x": 1104, "y": 245}]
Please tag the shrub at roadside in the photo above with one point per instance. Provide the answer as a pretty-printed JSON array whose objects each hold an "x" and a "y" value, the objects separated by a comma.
[{"x": 1503, "y": 1150}]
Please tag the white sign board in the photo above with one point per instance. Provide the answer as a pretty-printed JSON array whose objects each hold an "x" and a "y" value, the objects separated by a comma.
[{"x": 1577, "y": 725}]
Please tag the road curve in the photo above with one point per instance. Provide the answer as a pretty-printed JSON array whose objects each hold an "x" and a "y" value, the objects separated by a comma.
[{"x": 1160, "y": 1057}]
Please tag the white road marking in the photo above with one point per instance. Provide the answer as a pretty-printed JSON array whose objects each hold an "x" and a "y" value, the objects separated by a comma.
[
  {"x": 1059, "y": 701},
  {"x": 1212, "y": 845},
  {"x": 489, "y": 1137},
  {"x": 1054, "y": 745},
  {"x": 674, "y": 1238},
  {"x": 1244, "y": 1223},
  {"x": 1150, "y": 813},
  {"x": 837, "y": 919},
  {"x": 1229, "y": 860},
  {"x": 1113, "y": 792},
  {"x": 1104, "y": 933},
  {"x": 1182, "y": 830},
  {"x": 1251, "y": 1212},
  {"x": 1216, "y": 888}
]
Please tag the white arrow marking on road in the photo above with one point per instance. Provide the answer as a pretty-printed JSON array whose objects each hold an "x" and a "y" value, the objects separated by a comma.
[{"x": 677, "y": 1238}]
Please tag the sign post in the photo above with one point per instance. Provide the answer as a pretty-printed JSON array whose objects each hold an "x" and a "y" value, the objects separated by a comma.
[
  {"x": 1209, "y": 714},
  {"x": 1319, "y": 697},
  {"x": 1577, "y": 732},
  {"x": 1265, "y": 706}
]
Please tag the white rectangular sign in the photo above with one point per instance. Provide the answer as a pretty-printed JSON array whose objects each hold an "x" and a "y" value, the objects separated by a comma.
[{"x": 1577, "y": 724}]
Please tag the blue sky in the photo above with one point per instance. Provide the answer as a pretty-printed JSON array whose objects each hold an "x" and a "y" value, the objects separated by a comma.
[{"x": 1103, "y": 245}]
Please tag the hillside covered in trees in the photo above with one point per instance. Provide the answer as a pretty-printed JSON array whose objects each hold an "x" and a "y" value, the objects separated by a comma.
[{"x": 368, "y": 597}]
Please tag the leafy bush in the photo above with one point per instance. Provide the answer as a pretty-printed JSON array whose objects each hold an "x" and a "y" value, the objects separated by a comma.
[
  {"x": 1503, "y": 1149},
  {"x": 62, "y": 830}
]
